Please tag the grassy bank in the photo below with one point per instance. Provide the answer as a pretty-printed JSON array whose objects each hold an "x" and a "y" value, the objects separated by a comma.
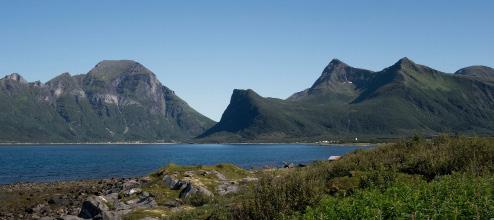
[{"x": 440, "y": 178}]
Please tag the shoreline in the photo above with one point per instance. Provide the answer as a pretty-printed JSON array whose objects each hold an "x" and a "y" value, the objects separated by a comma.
[
  {"x": 105, "y": 179},
  {"x": 171, "y": 143},
  {"x": 72, "y": 199},
  {"x": 74, "y": 181}
]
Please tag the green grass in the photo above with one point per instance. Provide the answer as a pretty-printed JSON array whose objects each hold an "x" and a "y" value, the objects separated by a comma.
[
  {"x": 439, "y": 178},
  {"x": 229, "y": 170},
  {"x": 457, "y": 196},
  {"x": 141, "y": 213},
  {"x": 159, "y": 191}
]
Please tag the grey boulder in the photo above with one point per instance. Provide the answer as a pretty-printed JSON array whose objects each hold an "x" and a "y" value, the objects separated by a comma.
[
  {"x": 173, "y": 183},
  {"x": 191, "y": 190},
  {"x": 95, "y": 207}
]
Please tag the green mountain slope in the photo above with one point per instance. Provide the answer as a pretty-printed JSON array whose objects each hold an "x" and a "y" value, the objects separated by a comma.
[
  {"x": 115, "y": 101},
  {"x": 403, "y": 99},
  {"x": 482, "y": 72}
]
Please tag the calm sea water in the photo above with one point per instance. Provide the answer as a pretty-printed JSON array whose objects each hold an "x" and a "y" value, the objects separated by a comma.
[{"x": 42, "y": 163}]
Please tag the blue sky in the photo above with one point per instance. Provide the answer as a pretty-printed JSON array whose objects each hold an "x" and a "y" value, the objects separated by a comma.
[{"x": 205, "y": 49}]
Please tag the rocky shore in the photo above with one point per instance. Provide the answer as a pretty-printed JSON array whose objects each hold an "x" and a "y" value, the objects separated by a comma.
[{"x": 172, "y": 189}]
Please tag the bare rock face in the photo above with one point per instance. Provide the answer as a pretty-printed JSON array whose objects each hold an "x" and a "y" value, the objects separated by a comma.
[
  {"x": 130, "y": 184},
  {"x": 16, "y": 77},
  {"x": 191, "y": 184},
  {"x": 125, "y": 82},
  {"x": 191, "y": 190},
  {"x": 171, "y": 182},
  {"x": 65, "y": 85},
  {"x": 142, "y": 202},
  {"x": 134, "y": 191},
  {"x": 95, "y": 207},
  {"x": 98, "y": 207},
  {"x": 187, "y": 188}
]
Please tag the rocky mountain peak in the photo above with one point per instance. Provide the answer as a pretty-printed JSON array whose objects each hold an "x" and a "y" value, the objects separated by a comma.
[
  {"x": 108, "y": 70},
  {"x": 405, "y": 60},
  {"x": 116, "y": 63},
  {"x": 65, "y": 74},
  {"x": 404, "y": 63},
  {"x": 62, "y": 77},
  {"x": 15, "y": 77},
  {"x": 241, "y": 94},
  {"x": 120, "y": 77},
  {"x": 37, "y": 83},
  {"x": 336, "y": 78},
  {"x": 335, "y": 66},
  {"x": 337, "y": 72},
  {"x": 117, "y": 100},
  {"x": 336, "y": 62}
]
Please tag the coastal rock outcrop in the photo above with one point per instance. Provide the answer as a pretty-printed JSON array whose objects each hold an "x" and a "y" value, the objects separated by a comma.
[
  {"x": 192, "y": 190},
  {"x": 96, "y": 207},
  {"x": 173, "y": 183},
  {"x": 172, "y": 190}
]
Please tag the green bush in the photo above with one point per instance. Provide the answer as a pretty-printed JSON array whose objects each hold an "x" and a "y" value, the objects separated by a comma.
[
  {"x": 429, "y": 158},
  {"x": 198, "y": 199},
  {"x": 450, "y": 197},
  {"x": 443, "y": 177},
  {"x": 276, "y": 196}
]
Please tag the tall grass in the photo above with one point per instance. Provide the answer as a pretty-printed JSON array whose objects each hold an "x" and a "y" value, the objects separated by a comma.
[
  {"x": 440, "y": 178},
  {"x": 444, "y": 177},
  {"x": 280, "y": 195},
  {"x": 458, "y": 196}
]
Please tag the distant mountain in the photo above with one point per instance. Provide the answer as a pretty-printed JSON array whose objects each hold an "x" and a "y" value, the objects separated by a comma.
[
  {"x": 117, "y": 100},
  {"x": 483, "y": 72},
  {"x": 403, "y": 99}
]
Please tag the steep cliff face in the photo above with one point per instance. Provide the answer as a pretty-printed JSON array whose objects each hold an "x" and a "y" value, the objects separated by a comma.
[
  {"x": 403, "y": 99},
  {"x": 117, "y": 100}
]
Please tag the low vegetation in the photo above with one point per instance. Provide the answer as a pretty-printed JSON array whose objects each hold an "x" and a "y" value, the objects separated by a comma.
[{"x": 439, "y": 178}]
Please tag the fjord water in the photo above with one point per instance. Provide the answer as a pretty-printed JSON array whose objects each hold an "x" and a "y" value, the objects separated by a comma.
[{"x": 44, "y": 163}]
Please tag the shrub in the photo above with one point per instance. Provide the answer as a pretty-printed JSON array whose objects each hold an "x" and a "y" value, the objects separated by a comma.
[
  {"x": 429, "y": 158},
  {"x": 198, "y": 199},
  {"x": 449, "y": 197},
  {"x": 277, "y": 196},
  {"x": 443, "y": 177}
]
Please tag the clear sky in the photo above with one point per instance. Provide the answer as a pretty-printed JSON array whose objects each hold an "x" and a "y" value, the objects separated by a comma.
[{"x": 205, "y": 49}]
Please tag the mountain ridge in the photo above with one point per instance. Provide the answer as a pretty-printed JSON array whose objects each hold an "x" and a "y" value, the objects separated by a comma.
[
  {"x": 403, "y": 99},
  {"x": 478, "y": 71},
  {"x": 118, "y": 100}
]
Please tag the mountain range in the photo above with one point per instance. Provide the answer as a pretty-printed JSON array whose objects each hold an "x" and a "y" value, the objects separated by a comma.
[
  {"x": 119, "y": 100},
  {"x": 123, "y": 101},
  {"x": 346, "y": 102}
]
